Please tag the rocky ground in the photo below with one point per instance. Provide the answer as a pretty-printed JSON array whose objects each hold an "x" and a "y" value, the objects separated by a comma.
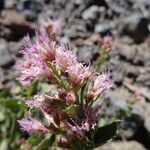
[{"x": 128, "y": 21}]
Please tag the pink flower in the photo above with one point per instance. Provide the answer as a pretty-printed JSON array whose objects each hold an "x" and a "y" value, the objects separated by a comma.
[
  {"x": 57, "y": 26},
  {"x": 52, "y": 26},
  {"x": 106, "y": 43},
  {"x": 63, "y": 143},
  {"x": 92, "y": 116},
  {"x": 43, "y": 102},
  {"x": 65, "y": 58},
  {"x": 36, "y": 54},
  {"x": 46, "y": 48},
  {"x": 32, "y": 70},
  {"x": 78, "y": 72},
  {"x": 31, "y": 125},
  {"x": 68, "y": 97},
  {"x": 77, "y": 130},
  {"x": 101, "y": 83}
]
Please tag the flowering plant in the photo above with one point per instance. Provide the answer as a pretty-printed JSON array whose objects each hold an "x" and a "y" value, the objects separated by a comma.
[
  {"x": 71, "y": 110},
  {"x": 106, "y": 46}
]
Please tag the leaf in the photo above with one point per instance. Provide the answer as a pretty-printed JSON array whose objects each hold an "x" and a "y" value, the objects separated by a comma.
[
  {"x": 34, "y": 139},
  {"x": 30, "y": 90},
  {"x": 5, "y": 94},
  {"x": 105, "y": 133},
  {"x": 45, "y": 143},
  {"x": 12, "y": 104}
]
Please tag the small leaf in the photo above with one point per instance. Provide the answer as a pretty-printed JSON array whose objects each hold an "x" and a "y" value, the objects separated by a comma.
[
  {"x": 105, "y": 133},
  {"x": 12, "y": 104},
  {"x": 5, "y": 94},
  {"x": 34, "y": 139},
  {"x": 45, "y": 143}
]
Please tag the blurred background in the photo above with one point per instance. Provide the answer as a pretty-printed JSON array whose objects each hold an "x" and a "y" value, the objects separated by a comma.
[{"x": 127, "y": 21}]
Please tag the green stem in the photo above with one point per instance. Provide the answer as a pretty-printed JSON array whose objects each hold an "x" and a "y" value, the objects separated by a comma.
[
  {"x": 82, "y": 93},
  {"x": 57, "y": 77},
  {"x": 103, "y": 56}
]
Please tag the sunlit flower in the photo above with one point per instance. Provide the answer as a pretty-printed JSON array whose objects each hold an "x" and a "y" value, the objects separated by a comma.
[
  {"x": 31, "y": 125},
  {"x": 52, "y": 26},
  {"x": 32, "y": 70},
  {"x": 43, "y": 102},
  {"x": 36, "y": 54},
  {"x": 46, "y": 48},
  {"x": 68, "y": 97},
  {"x": 65, "y": 58},
  {"x": 101, "y": 83},
  {"x": 78, "y": 72}
]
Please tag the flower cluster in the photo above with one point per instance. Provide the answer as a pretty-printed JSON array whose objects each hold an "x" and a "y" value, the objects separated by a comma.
[
  {"x": 52, "y": 27},
  {"x": 69, "y": 110},
  {"x": 106, "y": 43}
]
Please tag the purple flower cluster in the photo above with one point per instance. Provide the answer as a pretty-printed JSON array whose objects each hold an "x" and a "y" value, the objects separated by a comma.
[{"x": 68, "y": 110}]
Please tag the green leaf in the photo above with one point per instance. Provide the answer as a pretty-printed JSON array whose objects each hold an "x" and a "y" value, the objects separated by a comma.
[
  {"x": 12, "y": 104},
  {"x": 45, "y": 143},
  {"x": 30, "y": 90},
  {"x": 5, "y": 94},
  {"x": 34, "y": 139},
  {"x": 105, "y": 133}
]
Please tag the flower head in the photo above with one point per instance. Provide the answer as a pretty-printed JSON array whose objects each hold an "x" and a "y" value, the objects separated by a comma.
[
  {"x": 92, "y": 116},
  {"x": 63, "y": 143},
  {"x": 52, "y": 26},
  {"x": 32, "y": 69},
  {"x": 36, "y": 54},
  {"x": 106, "y": 43},
  {"x": 78, "y": 72},
  {"x": 101, "y": 83},
  {"x": 68, "y": 97},
  {"x": 31, "y": 125},
  {"x": 46, "y": 48},
  {"x": 43, "y": 102},
  {"x": 65, "y": 58}
]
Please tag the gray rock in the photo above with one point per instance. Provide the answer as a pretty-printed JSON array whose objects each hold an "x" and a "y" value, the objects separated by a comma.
[
  {"x": 118, "y": 9},
  {"x": 2, "y": 5},
  {"x": 118, "y": 78},
  {"x": 117, "y": 99},
  {"x": 137, "y": 27},
  {"x": 35, "y": 6},
  {"x": 131, "y": 126},
  {"x": 141, "y": 2},
  {"x": 30, "y": 15},
  {"x": 142, "y": 108},
  {"x": 102, "y": 28},
  {"x": 88, "y": 3},
  {"x": 132, "y": 72},
  {"x": 125, "y": 145},
  {"x": 6, "y": 59},
  {"x": 138, "y": 60},
  {"x": 91, "y": 13},
  {"x": 10, "y": 4},
  {"x": 126, "y": 51},
  {"x": 144, "y": 79},
  {"x": 85, "y": 53}
]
